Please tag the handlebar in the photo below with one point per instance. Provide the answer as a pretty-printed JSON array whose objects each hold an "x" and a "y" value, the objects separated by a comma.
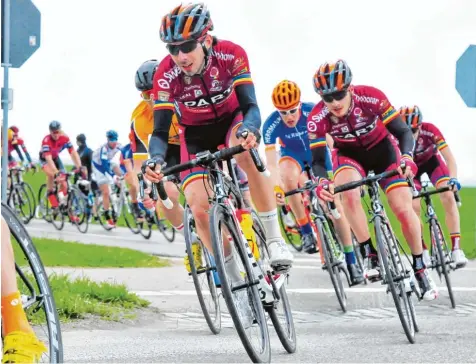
[
  {"x": 204, "y": 158},
  {"x": 440, "y": 190}
]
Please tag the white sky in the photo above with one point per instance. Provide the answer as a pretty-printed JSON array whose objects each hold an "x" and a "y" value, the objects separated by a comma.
[{"x": 83, "y": 73}]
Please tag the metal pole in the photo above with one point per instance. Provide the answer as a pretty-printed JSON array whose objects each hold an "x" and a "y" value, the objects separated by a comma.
[{"x": 5, "y": 97}]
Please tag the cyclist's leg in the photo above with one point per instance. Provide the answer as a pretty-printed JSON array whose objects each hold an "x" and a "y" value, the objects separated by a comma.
[
  {"x": 59, "y": 165},
  {"x": 20, "y": 342},
  {"x": 417, "y": 208},
  {"x": 291, "y": 169},
  {"x": 175, "y": 214},
  {"x": 262, "y": 193},
  {"x": 244, "y": 184},
  {"x": 130, "y": 176},
  {"x": 440, "y": 177},
  {"x": 103, "y": 181},
  {"x": 50, "y": 175},
  {"x": 400, "y": 198}
]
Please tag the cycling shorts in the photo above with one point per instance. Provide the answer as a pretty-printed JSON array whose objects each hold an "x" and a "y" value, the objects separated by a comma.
[
  {"x": 100, "y": 177},
  {"x": 435, "y": 168},
  {"x": 195, "y": 139},
  {"x": 384, "y": 156},
  {"x": 241, "y": 177},
  {"x": 57, "y": 161},
  {"x": 297, "y": 157}
]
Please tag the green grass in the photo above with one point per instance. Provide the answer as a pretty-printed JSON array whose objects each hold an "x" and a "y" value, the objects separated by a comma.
[
  {"x": 57, "y": 253},
  {"x": 81, "y": 297}
]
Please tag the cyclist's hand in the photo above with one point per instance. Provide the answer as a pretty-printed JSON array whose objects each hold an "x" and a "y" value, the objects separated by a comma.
[
  {"x": 151, "y": 169},
  {"x": 324, "y": 190},
  {"x": 455, "y": 183},
  {"x": 410, "y": 167},
  {"x": 279, "y": 193},
  {"x": 248, "y": 138}
]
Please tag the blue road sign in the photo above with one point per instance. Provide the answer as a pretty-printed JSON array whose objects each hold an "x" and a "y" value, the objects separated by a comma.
[
  {"x": 25, "y": 30},
  {"x": 466, "y": 76}
]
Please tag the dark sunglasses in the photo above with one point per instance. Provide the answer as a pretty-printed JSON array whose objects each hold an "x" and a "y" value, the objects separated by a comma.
[
  {"x": 186, "y": 47},
  {"x": 339, "y": 95}
]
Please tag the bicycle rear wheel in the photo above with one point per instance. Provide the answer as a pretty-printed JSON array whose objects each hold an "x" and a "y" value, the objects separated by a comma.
[
  {"x": 211, "y": 310},
  {"x": 443, "y": 256},
  {"x": 36, "y": 295},
  {"x": 394, "y": 276},
  {"x": 77, "y": 205},
  {"x": 283, "y": 322},
  {"x": 29, "y": 191},
  {"x": 165, "y": 228},
  {"x": 43, "y": 208},
  {"x": 222, "y": 226}
]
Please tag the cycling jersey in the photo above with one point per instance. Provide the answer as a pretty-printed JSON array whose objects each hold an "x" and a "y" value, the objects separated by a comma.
[
  {"x": 105, "y": 159},
  {"x": 361, "y": 137},
  {"x": 294, "y": 141},
  {"x": 85, "y": 155},
  {"x": 429, "y": 142},
  {"x": 142, "y": 127},
  {"x": 52, "y": 147},
  {"x": 209, "y": 98}
]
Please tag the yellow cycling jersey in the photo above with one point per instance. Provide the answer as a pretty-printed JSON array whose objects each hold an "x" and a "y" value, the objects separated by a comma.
[{"x": 143, "y": 125}]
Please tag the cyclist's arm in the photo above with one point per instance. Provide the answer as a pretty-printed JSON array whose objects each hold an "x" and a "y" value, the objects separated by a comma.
[
  {"x": 17, "y": 149},
  {"x": 75, "y": 157},
  {"x": 443, "y": 148},
  {"x": 50, "y": 162},
  {"x": 249, "y": 107},
  {"x": 400, "y": 130},
  {"x": 160, "y": 136},
  {"x": 450, "y": 161},
  {"x": 115, "y": 163},
  {"x": 25, "y": 151}
]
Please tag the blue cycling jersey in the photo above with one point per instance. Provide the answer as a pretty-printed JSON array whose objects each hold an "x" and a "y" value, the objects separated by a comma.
[
  {"x": 294, "y": 141},
  {"x": 126, "y": 153}
]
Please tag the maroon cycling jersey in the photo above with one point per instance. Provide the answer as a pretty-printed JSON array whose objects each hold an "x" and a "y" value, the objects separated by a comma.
[
  {"x": 55, "y": 147},
  {"x": 430, "y": 141},
  {"x": 362, "y": 127},
  {"x": 208, "y": 98}
]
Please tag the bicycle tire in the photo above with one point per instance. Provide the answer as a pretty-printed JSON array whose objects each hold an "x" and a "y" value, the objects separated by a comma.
[
  {"x": 332, "y": 267},
  {"x": 167, "y": 231},
  {"x": 75, "y": 195},
  {"x": 384, "y": 247},
  {"x": 43, "y": 204},
  {"x": 358, "y": 256},
  {"x": 219, "y": 215},
  {"x": 29, "y": 190},
  {"x": 127, "y": 213},
  {"x": 101, "y": 218},
  {"x": 147, "y": 231},
  {"x": 213, "y": 323},
  {"x": 22, "y": 237},
  {"x": 436, "y": 232},
  {"x": 286, "y": 334},
  {"x": 19, "y": 194},
  {"x": 290, "y": 233}
]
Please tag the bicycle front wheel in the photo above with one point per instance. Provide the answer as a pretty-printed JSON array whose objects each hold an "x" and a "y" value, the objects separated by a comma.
[
  {"x": 443, "y": 257},
  {"x": 37, "y": 297},
  {"x": 394, "y": 276},
  {"x": 289, "y": 226},
  {"x": 242, "y": 299}
]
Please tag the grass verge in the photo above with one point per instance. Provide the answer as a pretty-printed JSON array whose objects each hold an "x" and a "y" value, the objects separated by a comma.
[
  {"x": 58, "y": 253},
  {"x": 81, "y": 297}
]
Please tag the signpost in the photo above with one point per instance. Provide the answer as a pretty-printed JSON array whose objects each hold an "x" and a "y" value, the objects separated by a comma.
[
  {"x": 466, "y": 76},
  {"x": 21, "y": 21}
]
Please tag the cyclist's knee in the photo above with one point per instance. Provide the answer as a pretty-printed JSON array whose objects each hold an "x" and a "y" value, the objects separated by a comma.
[
  {"x": 245, "y": 162},
  {"x": 172, "y": 191},
  {"x": 351, "y": 200},
  {"x": 447, "y": 198},
  {"x": 289, "y": 176}
]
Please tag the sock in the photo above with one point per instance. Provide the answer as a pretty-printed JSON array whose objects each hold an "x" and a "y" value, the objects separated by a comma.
[
  {"x": 367, "y": 248},
  {"x": 107, "y": 215},
  {"x": 455, "y": 237},
  {"x": 271, "y": 224},
  {"x": 349, "y": 254},
  {"x": 13, "y": 315},
  {"x": 179, "y": 228},
  {"x": 305, "y": 226},
  {"x": 418, "y": 262},
  {"x": 232, "y": 269}
]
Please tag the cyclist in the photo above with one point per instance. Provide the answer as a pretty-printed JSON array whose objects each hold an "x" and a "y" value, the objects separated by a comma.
[
  {"x": 288, "y": 126},
  {"x": 86, "y": 155},
  {"x": 360, "y": 119},
  {"x": 14, "y": 144},
  {"x": 433, "y": 156},
  {"x": 105, "y": 167},
  {"x": 20, "y": 344},
  {"x": 127, "y": 169},
  {"x": 209, "y": 82},
  {"x": 142, "y": 127},
  {"x": 51, "y": 147}
]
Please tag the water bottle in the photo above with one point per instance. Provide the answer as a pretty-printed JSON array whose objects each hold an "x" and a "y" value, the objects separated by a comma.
[{"x": 246, "y": 223}]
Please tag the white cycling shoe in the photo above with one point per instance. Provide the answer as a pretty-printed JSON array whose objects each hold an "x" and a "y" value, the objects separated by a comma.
[{"x": 280, "y": 258}]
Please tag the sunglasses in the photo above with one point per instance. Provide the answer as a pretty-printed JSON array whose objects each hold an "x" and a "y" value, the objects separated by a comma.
[
  {"x": 145, "y": 95},
  {"x": 55, "y": 132},
  {"x": 339, "y": 95},
  {"x": 289, "y": 112},
  {"x": 186, "y": 47}
]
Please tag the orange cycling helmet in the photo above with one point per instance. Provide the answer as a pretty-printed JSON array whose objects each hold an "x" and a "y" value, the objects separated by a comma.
[
  {"x": 332, "y": 77},
  {"x": 186, "y": 22},
  {"x": 411, "y": 115},
  {"x": 286, "y": 95}
]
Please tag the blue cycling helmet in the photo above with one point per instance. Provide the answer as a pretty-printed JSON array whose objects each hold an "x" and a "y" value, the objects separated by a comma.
[{"x": 112, "y": 136}]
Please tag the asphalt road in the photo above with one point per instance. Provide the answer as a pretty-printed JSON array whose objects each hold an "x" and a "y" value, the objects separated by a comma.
[{"x": 369, "y": 332}]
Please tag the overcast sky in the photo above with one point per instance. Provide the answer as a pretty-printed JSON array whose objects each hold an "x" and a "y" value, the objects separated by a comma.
[{"x": 83, "y": 73}]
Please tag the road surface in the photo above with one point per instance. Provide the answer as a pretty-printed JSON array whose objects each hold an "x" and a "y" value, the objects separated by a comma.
[{"x": 369, "y": 332}]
